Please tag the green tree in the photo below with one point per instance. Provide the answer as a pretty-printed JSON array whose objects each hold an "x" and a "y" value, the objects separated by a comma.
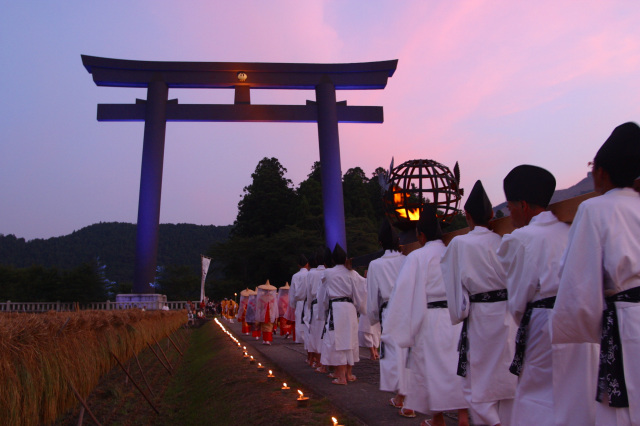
[{"x": 268, "y": 204}]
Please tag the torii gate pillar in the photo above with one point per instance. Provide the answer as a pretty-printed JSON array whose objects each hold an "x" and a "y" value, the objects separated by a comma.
[
  {"x": 147, "y": 231},
  {"x": 331, "y": 173}
]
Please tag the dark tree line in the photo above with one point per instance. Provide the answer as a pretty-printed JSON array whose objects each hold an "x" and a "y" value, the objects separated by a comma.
[{"x": 103, "y": 253}]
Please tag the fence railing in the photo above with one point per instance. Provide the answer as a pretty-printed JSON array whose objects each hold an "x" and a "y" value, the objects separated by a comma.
[{"x": 10, "y": 306}]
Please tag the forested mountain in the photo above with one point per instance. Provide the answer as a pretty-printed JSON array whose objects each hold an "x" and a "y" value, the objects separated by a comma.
[{"x": 113, "y": 243}]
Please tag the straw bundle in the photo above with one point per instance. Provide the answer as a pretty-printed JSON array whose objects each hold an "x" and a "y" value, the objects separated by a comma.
[{"x": 42, "y": 355}]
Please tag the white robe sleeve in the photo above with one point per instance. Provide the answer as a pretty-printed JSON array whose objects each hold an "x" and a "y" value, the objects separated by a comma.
[
  {"x": 577, "y": 314},
  {"x": 407, "y": 306},
  {"x": 360, "y": 293},
  {"x": 521, "y": 279},
  {"x": 457, "y": 295},
  {"x": 373, "y": 308}
]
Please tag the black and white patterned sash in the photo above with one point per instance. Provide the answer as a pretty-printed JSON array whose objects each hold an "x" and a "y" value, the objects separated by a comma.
[
  {"x": 611, "y": 369},
  {"x": 463, "y": 343},
  {"x": 330, "y": 316},
  {"x": 523, "y": 330},
  {"x": 313, "y": 302},
  {"x": 382, "y": 308}
]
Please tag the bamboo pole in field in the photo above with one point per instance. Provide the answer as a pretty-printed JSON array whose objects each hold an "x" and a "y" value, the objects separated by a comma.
[
  {"x": 159, "y": 359},
  {"x": 163, "y": 354},
  {"x": 81, "y": 416},
  {"x": 84, "y": 404},
  {"x": 135, "y": 384},
  {"x": 174, "y": 345},
  {"x": 143, "y": 375}
]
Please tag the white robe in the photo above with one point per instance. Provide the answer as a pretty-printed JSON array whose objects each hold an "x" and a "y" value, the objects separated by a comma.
[
  {"x": 470, "y": 266},
  {"x": 298, "y": 294},
  {"x": 263, "y": 299},
  {"x": 604, "y": 241},
  {"x": 340, "y": 345},
  {"x": 531, "y": 257},
  {"x": 434, "y": 385},
  {"x": 368, "y": 334},
  {"x": 381, "y": 279},
  {"x": 316, "y": 320}
]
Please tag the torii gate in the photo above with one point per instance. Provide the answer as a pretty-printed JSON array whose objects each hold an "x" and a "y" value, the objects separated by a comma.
[{"x": 158, "y": 77}]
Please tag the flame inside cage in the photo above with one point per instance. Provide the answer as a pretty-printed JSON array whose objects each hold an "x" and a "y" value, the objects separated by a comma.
[{"x": 418, "y": 182}]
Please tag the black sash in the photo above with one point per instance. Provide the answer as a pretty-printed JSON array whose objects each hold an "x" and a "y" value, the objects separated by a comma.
[
  {"x": 313, "y": 302},
  {"x": 463, "y": 343},
  {"x": 304, "y": 303},
  {"x": 330, "y": 319},
  {"x": 437, "y": 305},
  {"x": 611, "y": 369},
  {"x": 382, "y": 308},
  {"x": 523, "y": 329}
]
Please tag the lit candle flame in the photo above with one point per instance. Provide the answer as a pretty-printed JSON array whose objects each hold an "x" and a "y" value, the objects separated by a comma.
[
  {"x": 270, "y": 372},
  {"x": 334, "y": 420},
  {"x": 300, "y": 392},
  {"x": 284, "y": 385},
  {"x": 259, "y": 365}
]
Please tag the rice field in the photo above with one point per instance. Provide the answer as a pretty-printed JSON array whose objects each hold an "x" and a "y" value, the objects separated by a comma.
[{"x": 44, "y": 356}]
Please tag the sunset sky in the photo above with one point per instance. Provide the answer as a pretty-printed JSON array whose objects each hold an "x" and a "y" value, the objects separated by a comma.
[{"x": 490, "y": 84}]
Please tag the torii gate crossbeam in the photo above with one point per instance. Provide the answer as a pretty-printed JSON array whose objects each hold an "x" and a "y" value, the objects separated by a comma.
[{"x": 159, "y": 77}]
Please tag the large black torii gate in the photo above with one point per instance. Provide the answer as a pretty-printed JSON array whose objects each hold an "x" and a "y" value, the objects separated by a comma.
[{"x": 158, "y": 77}]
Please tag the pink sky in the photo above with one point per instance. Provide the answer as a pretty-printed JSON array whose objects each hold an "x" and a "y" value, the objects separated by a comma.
[{"x": 490, "y": 84}]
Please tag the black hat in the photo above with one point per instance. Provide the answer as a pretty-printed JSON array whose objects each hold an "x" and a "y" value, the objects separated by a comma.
[
  {"x": 532, "y": 184},
  {"x": 429, "y": 224},
  {"x": 328, "y": 258},
  {"x": 339, "y": 255},
  {"x": 620, "y": 154},
  {"x": 387, "y": 236},
  {"x": 478, "y": 205}
]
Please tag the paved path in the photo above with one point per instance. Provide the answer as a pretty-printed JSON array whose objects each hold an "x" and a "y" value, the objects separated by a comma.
[{"x": 362, "y": 398}]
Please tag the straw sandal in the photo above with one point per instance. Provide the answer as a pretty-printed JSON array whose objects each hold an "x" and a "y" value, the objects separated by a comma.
[
  {"x": 393, "y": 403},
  {"x": 338, "y": 382},
  {"x": 409, "y": 413}
]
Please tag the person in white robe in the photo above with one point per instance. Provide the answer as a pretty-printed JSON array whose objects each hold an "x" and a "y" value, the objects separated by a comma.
[
  {"x": 297, "y": 294},
  {"x": 476, "y": 294},
  {"x": 316, "y": 318},
  {"x": 284, "y": 324},
  {"x": 417, "y": 318},
  {"x": 601, "y": 277},
  {"x": 266, "y": 310},
  {"x": 381, "y": 279},
  {"x": 342, "y": 298},
  {"x": 369, "y": 336},
  {"x": 242, "y": 311},
  {"x": 531, "y": 257}
]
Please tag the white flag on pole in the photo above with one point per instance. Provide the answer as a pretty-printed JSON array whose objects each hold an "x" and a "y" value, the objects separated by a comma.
[{"x": 205, "y": 268}]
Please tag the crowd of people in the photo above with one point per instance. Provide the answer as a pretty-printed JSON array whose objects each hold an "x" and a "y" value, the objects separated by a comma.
[{"x": 539, "y": 326}]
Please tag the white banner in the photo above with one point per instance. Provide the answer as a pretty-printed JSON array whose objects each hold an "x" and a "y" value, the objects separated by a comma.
[{"x": 205, "y": 268}]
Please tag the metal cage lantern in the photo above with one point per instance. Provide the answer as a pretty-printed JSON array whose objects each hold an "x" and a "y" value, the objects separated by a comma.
[{"x": 415, "y": 183}]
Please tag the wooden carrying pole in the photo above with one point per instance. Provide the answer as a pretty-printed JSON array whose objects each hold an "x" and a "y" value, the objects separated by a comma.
[{"x": 134, "y": 383}]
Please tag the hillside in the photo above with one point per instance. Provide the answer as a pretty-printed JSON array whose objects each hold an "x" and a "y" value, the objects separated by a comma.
[
  {"x": 114, "y": 244},
  {"x": 582, "y": 187}
]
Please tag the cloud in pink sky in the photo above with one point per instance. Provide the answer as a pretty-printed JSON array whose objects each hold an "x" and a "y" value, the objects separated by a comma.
[{"x": 490, "y": 84}]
